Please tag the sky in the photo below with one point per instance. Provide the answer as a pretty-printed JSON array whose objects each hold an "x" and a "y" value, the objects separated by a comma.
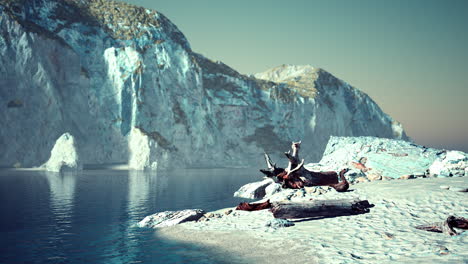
[{"x": 410, "y": 56}]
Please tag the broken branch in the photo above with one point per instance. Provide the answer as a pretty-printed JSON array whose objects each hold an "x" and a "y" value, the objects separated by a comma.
[{"x": 446, "y": 227}]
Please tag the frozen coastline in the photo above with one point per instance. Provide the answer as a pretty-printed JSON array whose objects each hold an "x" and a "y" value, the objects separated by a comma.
[{"x": 384, "y": 235}]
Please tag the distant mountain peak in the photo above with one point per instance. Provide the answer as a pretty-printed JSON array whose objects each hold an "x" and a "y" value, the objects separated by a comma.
[
  {"x": 302, "y": 78},
  {"x": 286, "y": 72}
]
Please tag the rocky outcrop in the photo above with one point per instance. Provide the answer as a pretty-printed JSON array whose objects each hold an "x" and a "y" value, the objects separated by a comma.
[
  {"x": 64, "y": 155},
  {"x": 450, "y": 163},
  {"x": 103, "y": 69},
  {"x": 369, "y": 159},
  {"x": 171, "y": 218},
  {"x": 272, "y": 189},
  {"x": 254, "y": 190},
  {"x": 379, "y": 158},
  {"x": 267, "y": 189}
]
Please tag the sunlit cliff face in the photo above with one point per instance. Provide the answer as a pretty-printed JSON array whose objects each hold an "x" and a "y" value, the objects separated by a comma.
[{"x": 82, "y": 67}]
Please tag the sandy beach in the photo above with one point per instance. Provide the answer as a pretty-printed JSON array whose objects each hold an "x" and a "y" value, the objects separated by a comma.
[{"x": 385, "y": 235}]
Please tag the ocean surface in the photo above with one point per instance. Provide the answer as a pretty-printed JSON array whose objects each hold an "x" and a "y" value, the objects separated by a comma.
[{"x": 89, "y": 217}]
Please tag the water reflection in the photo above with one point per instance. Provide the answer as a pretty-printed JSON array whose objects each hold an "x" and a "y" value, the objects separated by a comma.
[
  {"x": 62, "y": 200},
  {"x": 143, "y": 187},
  {"x": 62, "y": 194},
  {"x": 88, "y": 217},
  {"x": 139, "y": 188}
]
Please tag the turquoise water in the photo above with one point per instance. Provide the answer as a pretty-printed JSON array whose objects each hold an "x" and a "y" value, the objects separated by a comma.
[{"x": 88, "y": 217}]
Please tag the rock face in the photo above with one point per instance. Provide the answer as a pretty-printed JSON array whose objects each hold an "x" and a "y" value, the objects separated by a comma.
[
  {"x": 171, "y": 218},
  {"x": 145, "y": 153},
  {"x": 102, "y": 70},
  {"x": 378, "y": 158},
  {"x": 64, "y": 155}
]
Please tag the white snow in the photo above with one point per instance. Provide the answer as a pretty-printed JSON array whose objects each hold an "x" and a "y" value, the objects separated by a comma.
[
  {"x": 386, "y": 234},
  {"x": 64, "y": 155}
]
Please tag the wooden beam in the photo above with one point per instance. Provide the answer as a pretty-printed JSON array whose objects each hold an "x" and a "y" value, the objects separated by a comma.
[{"x": 320, "y": 208}]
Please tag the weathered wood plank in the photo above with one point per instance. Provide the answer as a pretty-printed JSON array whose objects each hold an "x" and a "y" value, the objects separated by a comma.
[{"x": 320, "y": 208}]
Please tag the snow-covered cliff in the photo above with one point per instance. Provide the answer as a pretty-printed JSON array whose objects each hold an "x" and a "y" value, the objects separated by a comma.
[{"x": 99, "y": 69}]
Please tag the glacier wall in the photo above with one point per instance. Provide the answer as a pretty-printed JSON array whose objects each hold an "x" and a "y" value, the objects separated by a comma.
[{"x": 82, "y": 67}]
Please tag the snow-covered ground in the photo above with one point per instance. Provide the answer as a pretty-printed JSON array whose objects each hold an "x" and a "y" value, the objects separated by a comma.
[{"x": 385, "y": 235}]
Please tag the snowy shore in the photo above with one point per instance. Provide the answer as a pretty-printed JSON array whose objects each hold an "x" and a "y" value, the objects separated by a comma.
[{"x": 384, "y": 235}]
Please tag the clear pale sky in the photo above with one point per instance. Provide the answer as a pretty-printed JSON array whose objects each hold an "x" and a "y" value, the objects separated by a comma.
[{"x": 410, "y": 56}]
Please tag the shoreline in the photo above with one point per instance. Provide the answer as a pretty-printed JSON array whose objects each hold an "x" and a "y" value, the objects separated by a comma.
[{"x": 386, "y": 234}]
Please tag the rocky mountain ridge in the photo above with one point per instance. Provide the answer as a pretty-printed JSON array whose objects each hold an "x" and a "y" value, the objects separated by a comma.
[{"x": 121, "y": 78}]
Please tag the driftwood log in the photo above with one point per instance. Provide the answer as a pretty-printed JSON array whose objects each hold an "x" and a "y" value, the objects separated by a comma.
[
  {"x": 295, "y": 176},
  {"x": 317, "y": 208},
  {"x": 447, "y": 226},
  {"x": 254, "y": 206}
]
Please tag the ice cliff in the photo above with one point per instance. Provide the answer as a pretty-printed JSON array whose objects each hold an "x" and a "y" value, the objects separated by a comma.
[{"x": 125, "y": 83}]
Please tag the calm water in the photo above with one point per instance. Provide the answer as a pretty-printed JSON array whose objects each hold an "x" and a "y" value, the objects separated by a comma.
[{"x": 88, "y": 217}]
